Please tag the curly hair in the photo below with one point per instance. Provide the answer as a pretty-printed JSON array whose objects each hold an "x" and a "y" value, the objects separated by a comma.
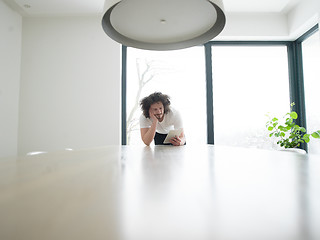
[{"x": 155, "y": 97}]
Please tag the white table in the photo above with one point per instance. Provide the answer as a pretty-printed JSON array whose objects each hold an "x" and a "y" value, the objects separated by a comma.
[{"x": 161, "y": 193}]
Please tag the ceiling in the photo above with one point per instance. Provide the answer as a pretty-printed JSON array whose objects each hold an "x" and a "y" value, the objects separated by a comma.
[{"x": 94, "y": 7}]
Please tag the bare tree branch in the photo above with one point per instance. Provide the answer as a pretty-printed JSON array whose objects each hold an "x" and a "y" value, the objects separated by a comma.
[{"x": 152, "y": 69}]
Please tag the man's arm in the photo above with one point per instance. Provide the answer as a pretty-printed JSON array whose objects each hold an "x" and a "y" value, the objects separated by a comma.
[{"x": 147, "y": 134}]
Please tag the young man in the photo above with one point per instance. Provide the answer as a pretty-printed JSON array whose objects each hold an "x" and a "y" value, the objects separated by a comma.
[{"x": 158, "y": 119}]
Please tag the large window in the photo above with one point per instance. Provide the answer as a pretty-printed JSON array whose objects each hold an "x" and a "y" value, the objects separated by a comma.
[
  {"x": 248, "y": 83},
  {"x": 181, "y": 75},
  {"x": 233, "y": 85},
  {"x": 311, "y": 70}
]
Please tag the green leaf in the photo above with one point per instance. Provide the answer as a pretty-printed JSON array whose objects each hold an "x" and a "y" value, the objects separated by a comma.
[
  {"x": 270, "y": 135},
  {"x": 296, "y": 129},
  {"x": 274, "y": 119},
  {"x": 288, "y": 128},
  {"x": 290, "y": 122},
  {"x": 306, "y": 138},
  {"x": 294, "y": 115},
  {"x": 282, "y": 134},
  {"x": 270, "y": 128},
  {"x": 316, "y": 134},
  {"x": 292, "y": 125},
  {"x": 302, "y": 129}
]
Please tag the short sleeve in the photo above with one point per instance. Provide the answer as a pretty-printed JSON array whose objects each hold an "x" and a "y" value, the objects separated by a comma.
[
  {"x": 177, "y": 120},
  {"x": 145, "y": 122}
]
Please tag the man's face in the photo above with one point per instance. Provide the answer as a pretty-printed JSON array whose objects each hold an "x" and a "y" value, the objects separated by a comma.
[{"x": 157, "y": 110}]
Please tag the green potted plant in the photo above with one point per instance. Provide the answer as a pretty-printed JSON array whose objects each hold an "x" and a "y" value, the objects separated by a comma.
[{"x": 287, "y": 132}]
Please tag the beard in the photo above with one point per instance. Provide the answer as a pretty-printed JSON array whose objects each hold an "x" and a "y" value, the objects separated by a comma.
[{"x": 158, "y": 116}]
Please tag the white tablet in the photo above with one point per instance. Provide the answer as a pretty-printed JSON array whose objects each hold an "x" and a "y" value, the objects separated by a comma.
[{"x": 171, "y": 134}]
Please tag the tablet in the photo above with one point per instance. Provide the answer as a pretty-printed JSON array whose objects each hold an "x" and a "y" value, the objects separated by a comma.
[{"x": 171, "y": 134}]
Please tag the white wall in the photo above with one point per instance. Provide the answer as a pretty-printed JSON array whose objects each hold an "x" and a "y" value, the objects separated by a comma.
[
  {"x": 303, "y": 17},
  {"x": 70, "y": 85},
  {"x": 10, "y": 52},
  {"x": 265, "y": 26},
  {"x": 249, "y": 26}
]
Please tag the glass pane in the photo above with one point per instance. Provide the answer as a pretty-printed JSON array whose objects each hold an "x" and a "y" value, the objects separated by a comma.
[
  {"x": 248, "y": 83},
  {"x": 181, "y": 75},
  {"x": 311, "y": 63}
]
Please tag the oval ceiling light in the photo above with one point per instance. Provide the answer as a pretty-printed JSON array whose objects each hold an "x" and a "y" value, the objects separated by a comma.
[{"x": 163, "y": 24}]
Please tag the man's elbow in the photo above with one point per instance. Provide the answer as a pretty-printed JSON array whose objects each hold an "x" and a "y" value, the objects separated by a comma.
[{"x": 146, "y": 143}]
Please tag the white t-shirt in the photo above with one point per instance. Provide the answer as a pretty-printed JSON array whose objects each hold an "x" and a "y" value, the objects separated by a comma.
[{"x": 172, "y": 120}]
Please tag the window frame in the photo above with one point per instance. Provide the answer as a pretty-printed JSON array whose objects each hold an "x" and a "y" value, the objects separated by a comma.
[{"x": 299, "y": 88}]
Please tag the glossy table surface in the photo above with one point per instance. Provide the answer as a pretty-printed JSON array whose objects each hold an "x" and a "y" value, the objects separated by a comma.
[{"x": 163, "y": 192}]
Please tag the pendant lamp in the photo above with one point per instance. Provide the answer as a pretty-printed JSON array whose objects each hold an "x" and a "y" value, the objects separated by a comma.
[{"x": 163, "y": 24}]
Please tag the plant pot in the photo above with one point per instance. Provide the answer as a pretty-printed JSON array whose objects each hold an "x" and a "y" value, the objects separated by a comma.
[{"x": 296, "y": 150}]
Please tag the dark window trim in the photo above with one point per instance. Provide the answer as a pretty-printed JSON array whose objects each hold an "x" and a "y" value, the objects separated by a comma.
[
  {"x": 308, "y": 34},
  {"x": 296, "y": 84},
  {"x": 209, "y": 91},
  {"x": 249, "y": 43},
  {"x": 124, "y": 96}
]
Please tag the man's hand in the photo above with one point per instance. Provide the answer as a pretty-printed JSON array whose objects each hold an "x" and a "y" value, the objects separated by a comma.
[
  {"x": 176, "y": 141},
  {"x": 152, "y": 116}
]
